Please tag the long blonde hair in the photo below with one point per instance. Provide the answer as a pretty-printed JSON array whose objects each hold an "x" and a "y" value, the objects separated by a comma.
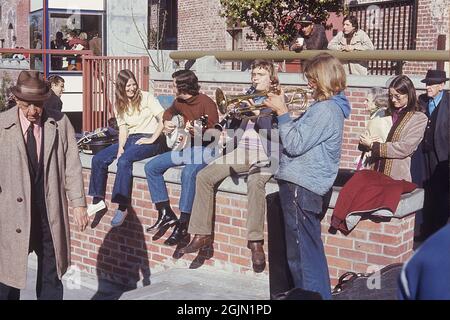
[
  {"x": 122, "y": 103},
  {"x": 327, "y": 73}
]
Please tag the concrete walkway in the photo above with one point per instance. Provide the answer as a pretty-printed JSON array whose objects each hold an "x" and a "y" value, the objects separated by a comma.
[{"x": 205, "y": 283}]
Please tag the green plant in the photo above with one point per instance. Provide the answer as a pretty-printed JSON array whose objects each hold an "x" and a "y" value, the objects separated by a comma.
[
  {"x": 4, "y": 92},
  {"x": 276, "y": 21}
]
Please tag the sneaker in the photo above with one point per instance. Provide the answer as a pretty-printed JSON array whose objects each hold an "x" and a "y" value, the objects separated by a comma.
[
  {"x": 119, "y": 217},
  {"x": 94, "y": 208}
]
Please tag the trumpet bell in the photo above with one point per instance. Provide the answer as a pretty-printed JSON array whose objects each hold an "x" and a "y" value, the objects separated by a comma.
[{"x": 221, "y": 101}]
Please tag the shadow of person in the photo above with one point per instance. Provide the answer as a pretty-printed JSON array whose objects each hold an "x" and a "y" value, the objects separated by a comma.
[{"x": 122, "y": 261}]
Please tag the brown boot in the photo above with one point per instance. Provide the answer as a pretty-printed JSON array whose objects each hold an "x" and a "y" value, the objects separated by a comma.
[
  {"x": 258, "y": 256},
  {"x": 199, "y": 242}
]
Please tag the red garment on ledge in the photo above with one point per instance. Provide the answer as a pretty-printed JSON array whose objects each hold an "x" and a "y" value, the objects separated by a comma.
[{"x": 366, "y": 192}]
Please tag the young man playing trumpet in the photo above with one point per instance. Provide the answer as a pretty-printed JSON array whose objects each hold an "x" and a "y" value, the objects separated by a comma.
[
  {"x": 249, "y": 157},
  {"x": 191, "y": 105}
]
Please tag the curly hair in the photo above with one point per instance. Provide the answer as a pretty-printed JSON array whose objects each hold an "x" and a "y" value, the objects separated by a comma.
[{"x": 186, "y": 82}]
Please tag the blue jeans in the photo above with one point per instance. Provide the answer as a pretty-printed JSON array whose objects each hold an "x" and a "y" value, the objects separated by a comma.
[
  {"x": 305, "y": 253},
  {"x": 194, "y": 159},
  {"x": 122, "y": 185}
]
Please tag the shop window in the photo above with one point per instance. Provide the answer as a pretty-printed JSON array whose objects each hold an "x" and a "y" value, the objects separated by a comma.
[
  {"x": 163, "y": 24},
  {"x": 36, "y": 33},
  {"x": 76, "y": 31}
]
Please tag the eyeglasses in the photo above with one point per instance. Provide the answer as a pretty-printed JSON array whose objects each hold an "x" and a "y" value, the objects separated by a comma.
[{"x": 397, "y": 96}]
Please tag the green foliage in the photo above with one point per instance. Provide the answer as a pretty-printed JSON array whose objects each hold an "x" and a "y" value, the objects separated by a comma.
[
  {"x": 5, "y": 84},
  {"x": 276, "y": 21}
]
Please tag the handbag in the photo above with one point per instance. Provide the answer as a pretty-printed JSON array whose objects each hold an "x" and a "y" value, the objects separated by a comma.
[{"x": 379, "y": 285}]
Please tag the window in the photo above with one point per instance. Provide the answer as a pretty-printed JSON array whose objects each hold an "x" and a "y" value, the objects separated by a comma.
[
  {"x": 163, "y": 24},
  {"x": 74, "y": 31},
  {"x": 36, "y": 25}
]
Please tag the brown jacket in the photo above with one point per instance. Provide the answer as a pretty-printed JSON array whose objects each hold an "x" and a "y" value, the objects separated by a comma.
[
  {"x": 403, "y": 139},
  {"x": 62, "y": 181}
]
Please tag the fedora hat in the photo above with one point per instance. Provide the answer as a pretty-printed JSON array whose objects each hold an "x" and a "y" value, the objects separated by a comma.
[
  {"x": 31, "y": 87},
  {"x": 435, "y": 77}
]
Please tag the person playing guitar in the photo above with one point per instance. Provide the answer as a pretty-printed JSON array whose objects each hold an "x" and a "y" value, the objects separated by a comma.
[{"x": 191, "y": 105}]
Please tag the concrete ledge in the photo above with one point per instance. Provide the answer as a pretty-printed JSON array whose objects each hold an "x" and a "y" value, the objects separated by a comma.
[{"x": 409, "y": 203}]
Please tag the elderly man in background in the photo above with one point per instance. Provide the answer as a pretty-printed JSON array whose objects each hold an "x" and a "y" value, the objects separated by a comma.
[
  {"x": 433, "y": 153},
  {"x": 41, "y": 171}
]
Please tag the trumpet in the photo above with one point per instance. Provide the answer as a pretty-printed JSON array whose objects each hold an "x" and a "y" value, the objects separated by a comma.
[{"x": 233, "y": 105}]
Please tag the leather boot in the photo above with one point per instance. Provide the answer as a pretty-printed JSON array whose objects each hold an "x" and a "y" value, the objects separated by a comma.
[
  {"x": 166, "y": 218},
  {"x": 199, "y": 242},
  {"x": 258, "y": 256},
  {"x": 179, "y": 234}
]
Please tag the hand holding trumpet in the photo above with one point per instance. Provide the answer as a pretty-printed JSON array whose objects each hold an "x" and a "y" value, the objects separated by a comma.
[{"x": 276, "y": 101}]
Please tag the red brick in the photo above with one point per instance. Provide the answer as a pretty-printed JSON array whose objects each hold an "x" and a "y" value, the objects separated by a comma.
[
  {"x": 234, "y": 250},
  {"x": 339, "y": 263},
  {"x": 81, "y": 252},
  {"x": 331, "y": 251},
  {"x": 392, "y": 229},
  {"x": 238, "y": 222},
  {"x": 89, "y": 262},
  {"x": 157, "y": 257},
  {"x": 394, "y": 251},
  {"x": 368, "y": 247},
  {"x": 384, "y": 239},
  {"x": 239, "y": 203},
  {"x": 223, "y": 219},
  {"x": 408, "y": 236},
  {"x": 352, "y": 255},
  {"x": 229, "y": 230},
  {"x": 221, "y": 256},
  {"x": 240, "y": 242},
  {"x": 381, "y": 260},
  {"x": 360, "y": 267},
  {"x": 220, "y": 237},
  {"x": 359, "y": 234},
  {"x": 240, "y": 261},
  {"x": 222, "y": 200},
  {"x": 340, "y": 242}
]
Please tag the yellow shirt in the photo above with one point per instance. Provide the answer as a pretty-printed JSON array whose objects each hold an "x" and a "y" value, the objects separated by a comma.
[{"x": 143, "y": 121}]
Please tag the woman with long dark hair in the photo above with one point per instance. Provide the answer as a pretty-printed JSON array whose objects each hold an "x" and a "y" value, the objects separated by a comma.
[
  {"x": 139, "y": 118},
  {"x": 393, "y": 157}
]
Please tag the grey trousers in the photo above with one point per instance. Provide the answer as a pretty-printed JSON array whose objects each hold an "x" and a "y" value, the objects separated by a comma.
[{"x": 203, "y": 208}]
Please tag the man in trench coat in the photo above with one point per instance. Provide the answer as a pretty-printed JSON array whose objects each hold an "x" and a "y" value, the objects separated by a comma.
[{"x": 40, "y": 171}]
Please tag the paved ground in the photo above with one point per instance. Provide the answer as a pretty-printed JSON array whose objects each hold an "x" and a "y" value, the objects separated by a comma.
[{"x": 204, "y": 283}]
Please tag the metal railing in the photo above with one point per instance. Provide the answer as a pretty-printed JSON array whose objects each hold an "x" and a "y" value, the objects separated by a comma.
[
  {"x": 391, "y": 25},
  {"x": 25, "y": 59},
  {"x": 369, "y": 55},
  {"x": 99, "y": 78}
]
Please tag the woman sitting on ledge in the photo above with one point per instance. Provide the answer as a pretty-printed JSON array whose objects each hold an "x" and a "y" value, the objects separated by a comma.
[
  {"x": 139, "y": 118},
  {"x": 393, "y": 157}
]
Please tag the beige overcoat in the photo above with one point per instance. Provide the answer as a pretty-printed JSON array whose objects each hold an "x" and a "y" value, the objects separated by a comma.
[{"x": 62, "y": 179}]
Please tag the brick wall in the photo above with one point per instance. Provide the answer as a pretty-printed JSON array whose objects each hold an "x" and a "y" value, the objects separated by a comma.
[
  {"x": 199, "y": 26},
  {"x": 127, "y": 254}
]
